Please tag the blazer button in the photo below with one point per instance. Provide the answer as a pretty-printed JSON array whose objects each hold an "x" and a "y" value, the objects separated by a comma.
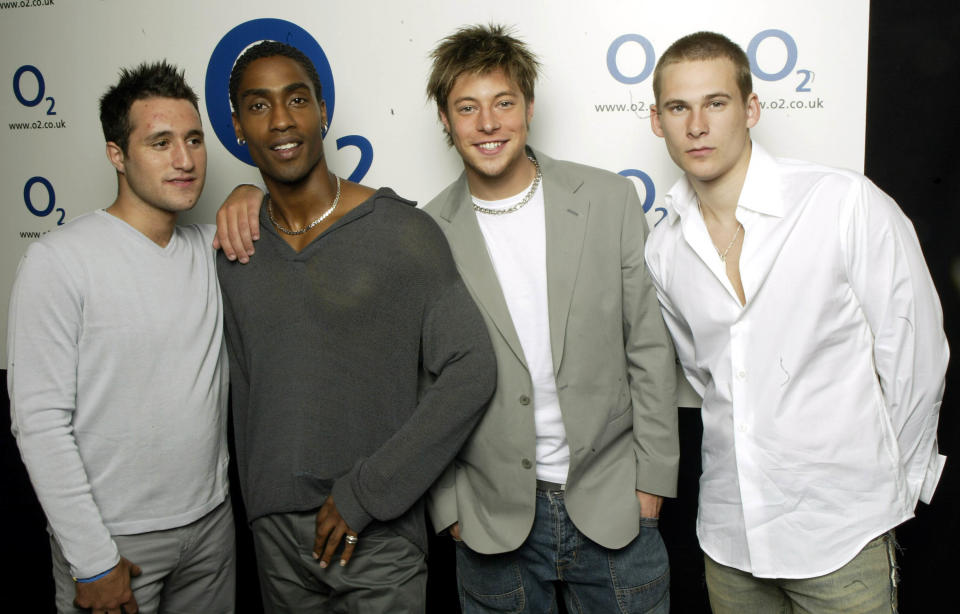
[
  {"x": 526, "y": 463},
  {"x": 524, "y": 400}
]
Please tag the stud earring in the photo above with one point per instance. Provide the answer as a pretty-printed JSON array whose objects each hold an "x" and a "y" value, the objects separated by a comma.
[{"x": 241, "y": 142}]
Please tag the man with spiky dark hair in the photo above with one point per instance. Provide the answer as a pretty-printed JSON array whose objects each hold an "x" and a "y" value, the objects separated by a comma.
[{"x": 118, "y": 375}]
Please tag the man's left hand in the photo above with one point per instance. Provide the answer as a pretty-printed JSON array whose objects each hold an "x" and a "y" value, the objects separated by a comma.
[
  {"x": 331, "y": 528},
  {"x": 238, "y": 223},
  {"x": 649, "y": 504}
]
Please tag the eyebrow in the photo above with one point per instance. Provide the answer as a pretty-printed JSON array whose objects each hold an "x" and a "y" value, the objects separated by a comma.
[
  {"x": 497, "y": 95},
  {"x": 262, "y": 91},
  {"x": 718, "y": 95},
  {"x": 723, "y": 95},
  {"x": 168, "y": 134},
  {"x": 159, "y": 134}
]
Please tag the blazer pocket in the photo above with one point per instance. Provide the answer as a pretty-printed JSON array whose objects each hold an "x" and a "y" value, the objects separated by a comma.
[{"x": 616, "y": 427}]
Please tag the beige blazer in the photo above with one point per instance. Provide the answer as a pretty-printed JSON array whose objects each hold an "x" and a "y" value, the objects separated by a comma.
[{"x": 613, "y": 360}]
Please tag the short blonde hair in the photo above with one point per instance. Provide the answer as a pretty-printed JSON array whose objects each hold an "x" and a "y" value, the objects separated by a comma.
[{"x": 705, "y": 46}]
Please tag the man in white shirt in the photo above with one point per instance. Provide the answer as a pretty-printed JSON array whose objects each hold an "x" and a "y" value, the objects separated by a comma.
[
  {"x": 804, "y": 315},
  {"x": 118, "y": 374}
]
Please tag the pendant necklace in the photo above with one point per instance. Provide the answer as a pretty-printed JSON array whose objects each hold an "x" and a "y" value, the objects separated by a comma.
[{"x": 723, "y": 254}]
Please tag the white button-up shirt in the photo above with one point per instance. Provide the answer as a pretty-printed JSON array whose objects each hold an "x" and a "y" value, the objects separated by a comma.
[{"x": 821, "y": 394}]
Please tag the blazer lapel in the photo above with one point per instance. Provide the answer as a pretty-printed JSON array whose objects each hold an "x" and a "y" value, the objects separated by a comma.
[
  {"x": 470, "y": 253},
  {"x": 566, "y": 223}
]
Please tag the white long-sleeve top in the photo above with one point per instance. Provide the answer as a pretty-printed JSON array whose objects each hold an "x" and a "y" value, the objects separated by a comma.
[
  {"x": 118, "y": 382},
  {"x": 821, "y": 394}
]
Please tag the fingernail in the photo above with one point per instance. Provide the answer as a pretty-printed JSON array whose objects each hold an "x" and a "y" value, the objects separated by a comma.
[
  {"x": 343, "y": 563},
  {"x": 323, "y": 564},
  {"x": 231, "y": 257},
  {"x": 315, "y": 556}
]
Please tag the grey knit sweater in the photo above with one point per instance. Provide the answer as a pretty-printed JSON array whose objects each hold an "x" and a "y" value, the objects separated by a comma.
[{"x": 326, "y": 346}]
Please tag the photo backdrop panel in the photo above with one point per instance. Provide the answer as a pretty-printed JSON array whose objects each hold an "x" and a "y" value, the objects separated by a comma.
[{"x": 592, "y": 103}]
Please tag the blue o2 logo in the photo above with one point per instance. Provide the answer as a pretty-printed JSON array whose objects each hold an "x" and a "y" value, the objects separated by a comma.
[
  {"x": 650, "y": 191},
  {"x": 217, "y": 87},
  {"x": 788, "y": 42},
  {"x": 628, "y": 41},
  {"x": 20, "y": 77},
  {"x": 29, "y": 199},
  {"x": 614, "y": 50},
  {"x": 789, "y": 64}
]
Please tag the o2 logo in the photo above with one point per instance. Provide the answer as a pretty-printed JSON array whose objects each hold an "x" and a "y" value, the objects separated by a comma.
[
  {"x": 18, "y": 80},
  {"x": 51, "y": 198},
  {"x": 613, "y": 53},
  {"x": 217, "y": 87},
  {"x": 789, "y": 64},
  {"x": 650, "y": 191},
  {"x": 20, "y": 77},
  {"x": 614, "y": 50}
]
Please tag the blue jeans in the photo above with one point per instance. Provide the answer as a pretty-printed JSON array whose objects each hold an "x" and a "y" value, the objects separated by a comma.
[{"x": 592, "y": 579}]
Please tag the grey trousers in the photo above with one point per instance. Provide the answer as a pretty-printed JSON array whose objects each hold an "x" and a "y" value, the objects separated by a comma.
[
  {"x": 387, "y": 572},
  {"x": 185, "y": 570}
]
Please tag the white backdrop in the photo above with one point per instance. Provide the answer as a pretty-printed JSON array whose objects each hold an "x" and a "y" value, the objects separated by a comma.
[{"x": 58, "y": 56}]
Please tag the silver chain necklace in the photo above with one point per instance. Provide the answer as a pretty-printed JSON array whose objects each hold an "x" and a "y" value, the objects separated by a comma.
[
  {"x": 723, "y": 254},
  {"x": 526, "y": 198},
  {"x": 311, "y": 225}
]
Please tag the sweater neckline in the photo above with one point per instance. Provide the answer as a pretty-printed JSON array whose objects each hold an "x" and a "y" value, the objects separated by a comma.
[
  {"x": 288, "y": 253},
  {"x": 138, "y": 236}
]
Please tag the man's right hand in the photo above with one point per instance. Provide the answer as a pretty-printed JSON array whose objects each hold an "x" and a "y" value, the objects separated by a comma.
[
  {"x": 238, "y": 223},
  {"x": 454, "y": 531},
  {"x": 110, "y": 594}
]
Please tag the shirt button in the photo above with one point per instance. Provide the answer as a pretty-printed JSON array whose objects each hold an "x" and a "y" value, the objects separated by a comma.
[
  {"x": 526, "y": 463},
  {"x": 741, "y": 374},
  {"x": 742, "y": 428},
  {"x": 524, "y": 400}
]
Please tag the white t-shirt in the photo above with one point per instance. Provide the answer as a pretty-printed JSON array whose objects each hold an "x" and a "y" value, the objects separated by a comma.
[{"x": 517, "y": 246}]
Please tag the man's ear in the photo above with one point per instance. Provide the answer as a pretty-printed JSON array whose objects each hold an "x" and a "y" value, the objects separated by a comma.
[
  {"x": 237, "y": 131},
  {"x": 753, "y": 110},
  {"x": 115, "y": 156},
  {"x": 444, "y": 120},
  {"x": 655, "y": 121},
  {"x": 529, "y": 112}
]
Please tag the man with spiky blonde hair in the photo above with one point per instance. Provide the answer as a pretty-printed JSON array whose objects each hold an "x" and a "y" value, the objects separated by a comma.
[{"x": 561, "y": 482}]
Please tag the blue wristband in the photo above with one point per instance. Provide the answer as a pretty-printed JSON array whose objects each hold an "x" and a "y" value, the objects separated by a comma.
[{"x": 94, "y": 578}]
